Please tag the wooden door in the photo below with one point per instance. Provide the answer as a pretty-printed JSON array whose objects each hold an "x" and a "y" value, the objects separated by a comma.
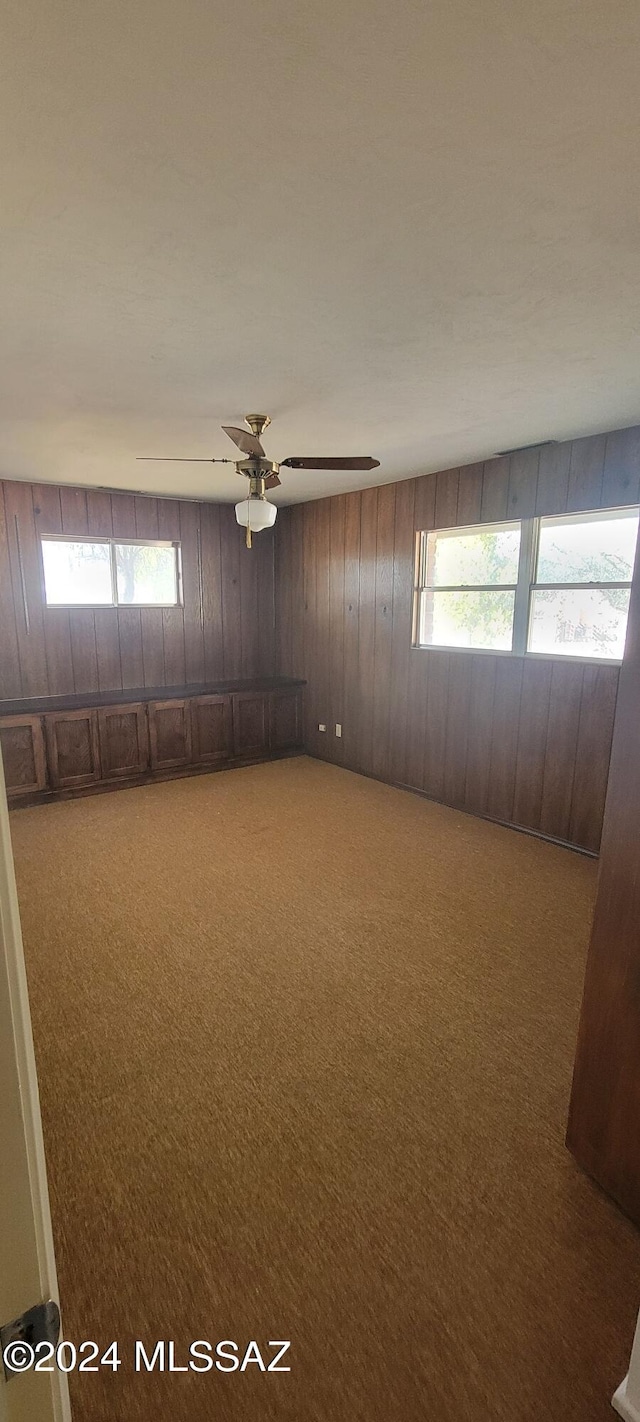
[
  {"x": 169, "y": 734},
  {"x": 250, "y": 723},
  {"x": 211, "y": 729},
  {"x": 72, "y": 748},
  {"x": 285, "y": 720},
  {"x": 23, "y": 753},
  {"x": 124, "y": 740}
]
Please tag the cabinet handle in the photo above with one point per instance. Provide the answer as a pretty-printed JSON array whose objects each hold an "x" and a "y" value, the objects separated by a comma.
[{"x": 23, "y": 583}]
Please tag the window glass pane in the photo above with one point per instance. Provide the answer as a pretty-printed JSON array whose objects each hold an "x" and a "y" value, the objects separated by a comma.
[
  {"x": 467, "y": 619},
  {"x": 146, "y": 574},
  {"x": 579, "y": 622},
  {"x": 76, "y": 573},
  {"x": 593, "y": 549},
  {"x": 477, "y": 556}
]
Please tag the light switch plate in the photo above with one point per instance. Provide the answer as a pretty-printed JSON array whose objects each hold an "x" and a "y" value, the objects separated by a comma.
[
  {"x": 338, "y": 728},
  {"x": 321, "y": 727}
]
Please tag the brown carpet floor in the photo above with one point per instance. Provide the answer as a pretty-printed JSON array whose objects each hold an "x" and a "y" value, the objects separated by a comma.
[{"x": 305, "y": 1048}]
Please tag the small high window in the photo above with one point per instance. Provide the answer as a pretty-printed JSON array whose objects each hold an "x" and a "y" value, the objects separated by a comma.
[{"x": 102, "y": 572}]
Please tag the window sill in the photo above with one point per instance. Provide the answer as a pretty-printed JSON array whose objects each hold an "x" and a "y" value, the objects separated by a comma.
[{"x": 563, "y": 657}]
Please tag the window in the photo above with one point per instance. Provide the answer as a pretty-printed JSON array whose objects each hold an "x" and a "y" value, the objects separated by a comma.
[
  {"x": 580, "y": 594},
  {"x": 100, "y": 572},
  {"x": 467, "y": 587},
  {"x": 548, "y": 587}
]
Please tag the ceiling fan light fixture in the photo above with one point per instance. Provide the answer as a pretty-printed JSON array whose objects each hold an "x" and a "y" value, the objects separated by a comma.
[{"x": 256, "y": 513}]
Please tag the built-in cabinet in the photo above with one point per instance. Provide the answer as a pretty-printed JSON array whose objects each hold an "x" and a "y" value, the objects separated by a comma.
[
  {"x": 211, "y": 729},
  {"x": 123, "y": 733},
  {"x": 73, "y": 752},
  {"x": 74, "y": 748},
  {"x": 23, "y": 754}
]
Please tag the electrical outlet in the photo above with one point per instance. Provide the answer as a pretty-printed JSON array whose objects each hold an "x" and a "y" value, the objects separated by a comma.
[
  {"x": 338, "y": 728},
  {"x": 321, "y": 727}
]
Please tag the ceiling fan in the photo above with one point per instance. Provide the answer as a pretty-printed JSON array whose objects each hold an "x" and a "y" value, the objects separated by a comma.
[{"x": 255, "y": 512}]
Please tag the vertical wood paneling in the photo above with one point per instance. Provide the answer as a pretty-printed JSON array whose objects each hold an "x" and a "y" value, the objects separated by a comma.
[
  {"x": 586, "y": 464},
  {"x": 595, "y": 731},
  {"x": 84, "y": 652},
  {"x": 102, "y": 649},
  {"x": 504, "y": 737},
  {"x": 561, "y": 750},
  {"x": 57, "y": 631},
  {"x": 553, "y": 479},
  {"x": 265, "y": 568},
  {"x": 10, "y": 672},
  {"x": 401, "y": 634},
  {"x": 172, "y": 617},
  {"x": 351, "y": 650},
  {"x": 296, "y": 518},
  {"x": 314, "y": 707},
  {"x": 383, "y": 625},
  {"x": 151, "y": 628},
  {"x": 213, "y": 610},
  {"x": 495, "y": 490},
  {"x": 249, "y": 605},
  {"x": 337, "y": 620},
  {"x": 621, "y": 475},
  {"x": 230, "y": 551},
  {"x": 446, "y": 506},
  {"x": 100, "y": 522},
  {"x": 457, "y": 718},
  {"x": 322, "y": 631},
  {"x": 532, "y": 743},
  {"x": 123, "y": 512},
  {"x": 191, "y": 591},
  {"x": 366, "y": 648},
  {"x": 522, "y": 740},
  {"x": 483, "y": 681},
  {"x": 26, "y": 585},
  {"x": 424, "y": 513},
  {"x": 523, "y": 484},
  {"x": 469, "y": 504},
  {"x": 284, "y": 592}
]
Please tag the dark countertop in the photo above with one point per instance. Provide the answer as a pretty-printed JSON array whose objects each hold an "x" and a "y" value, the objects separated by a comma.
[{"x": 81, "y": 701}]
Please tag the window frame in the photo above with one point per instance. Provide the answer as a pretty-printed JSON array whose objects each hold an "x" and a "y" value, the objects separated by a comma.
[
  {"x": 112, "y": 543},
  {"x": 525, "y": 587}
]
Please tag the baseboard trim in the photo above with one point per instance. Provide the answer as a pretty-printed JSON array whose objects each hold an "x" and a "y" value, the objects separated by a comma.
[
  {"x": 459, "y": 809},
  {"x": 622, "y": 1406}
]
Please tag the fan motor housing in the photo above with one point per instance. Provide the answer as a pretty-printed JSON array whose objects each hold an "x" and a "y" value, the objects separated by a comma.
[{"x": 256, "y": 468}]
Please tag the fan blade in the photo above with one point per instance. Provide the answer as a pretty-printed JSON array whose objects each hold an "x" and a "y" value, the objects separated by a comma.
[
  {"x": 248, "y": 443},
  {"x": 272, "y": 481},
  {"x": 300, "y": 463},
  {"x": 170, "y": 459}
]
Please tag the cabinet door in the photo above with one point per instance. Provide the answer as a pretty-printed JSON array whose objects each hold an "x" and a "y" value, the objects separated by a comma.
[
  {"x": 72, "y": 748},
  {"x": 250, "y": 723},
  {"x": 25, "y": 765},
  {"x": 169, "y": 734},
  {"x": 124, "y": 740},
  {"x": 285, "y": 720},
  {"x": 210, "y": 729}
]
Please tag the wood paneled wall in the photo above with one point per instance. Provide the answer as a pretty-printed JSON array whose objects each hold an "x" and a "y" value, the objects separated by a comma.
[
  {"x": 524, "y": 741},
  {"x": 224, "y": 629},
  {"x": 604, "y": 1120}
]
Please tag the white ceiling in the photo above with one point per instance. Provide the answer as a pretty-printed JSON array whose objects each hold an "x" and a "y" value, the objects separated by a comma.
[{"x": 404, "y": 229}]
